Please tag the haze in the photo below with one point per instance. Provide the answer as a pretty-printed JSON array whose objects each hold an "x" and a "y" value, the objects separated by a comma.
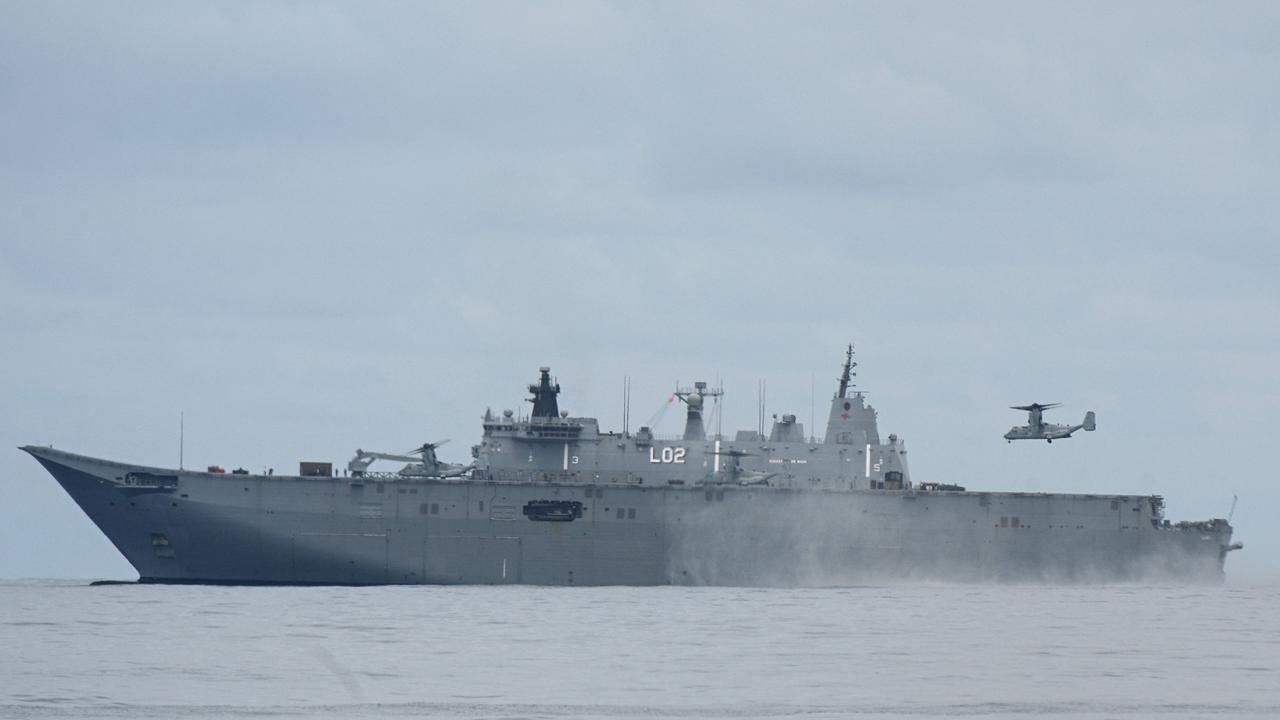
[{"x": 316, "y": 227}]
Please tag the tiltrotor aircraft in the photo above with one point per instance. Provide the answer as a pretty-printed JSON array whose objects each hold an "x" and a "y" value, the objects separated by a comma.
[
  {"x": 426, "y": 465},
  {"x": 1037, "y": 429}
]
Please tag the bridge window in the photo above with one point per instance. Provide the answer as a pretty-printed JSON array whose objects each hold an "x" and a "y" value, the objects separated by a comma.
[{"x": 631, "y": 513}]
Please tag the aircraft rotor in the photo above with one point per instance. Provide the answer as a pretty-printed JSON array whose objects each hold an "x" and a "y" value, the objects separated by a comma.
[
  {"x": 425, "y": 447},
  {"x": 1035, "y": 406}
]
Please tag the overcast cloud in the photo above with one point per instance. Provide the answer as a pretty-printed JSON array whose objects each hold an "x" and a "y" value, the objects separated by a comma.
[{"x": 315, "y": 227}]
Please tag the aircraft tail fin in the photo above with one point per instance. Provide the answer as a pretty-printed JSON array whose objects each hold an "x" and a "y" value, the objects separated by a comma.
[{"x": 1090, "y": 423}]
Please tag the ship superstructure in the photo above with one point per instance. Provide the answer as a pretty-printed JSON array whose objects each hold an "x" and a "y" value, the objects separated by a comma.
[{"x": 553, "y": 499}]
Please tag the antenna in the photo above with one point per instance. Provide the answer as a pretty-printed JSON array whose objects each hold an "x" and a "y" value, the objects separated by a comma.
[
  {"x": 759, "y": 406},
  {"x": 719, "y": 408},
  {"x": 812, "y": 402},
  {"x": 626, "y": 404},
  {"x": 182, "y": 436},
  {"x": 1233, "y": 508}
]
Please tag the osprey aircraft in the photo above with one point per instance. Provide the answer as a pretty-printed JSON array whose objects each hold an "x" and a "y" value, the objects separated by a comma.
[
  {"x": 422, "y": 462},
  {"x": 1037, "y": 429}
]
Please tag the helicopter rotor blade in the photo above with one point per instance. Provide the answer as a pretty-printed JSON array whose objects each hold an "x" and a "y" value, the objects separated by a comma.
[{"x": 428, "y": 446}]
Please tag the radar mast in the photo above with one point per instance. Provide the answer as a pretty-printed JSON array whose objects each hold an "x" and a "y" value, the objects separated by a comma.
[
  {"x": 544, "y": 395},
  {"x": 694, "y": 398},
  {"x": 846, "y": 372}
]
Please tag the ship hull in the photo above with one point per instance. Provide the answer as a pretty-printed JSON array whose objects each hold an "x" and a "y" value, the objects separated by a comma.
[{"x": 180, "y": 526}]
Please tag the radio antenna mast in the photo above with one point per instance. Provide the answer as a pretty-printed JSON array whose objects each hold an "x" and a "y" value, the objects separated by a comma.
[
  {"x": 719, "y": 406},
  {"x": 846, "y": 372},
  {"x": 626, "y": 404}
]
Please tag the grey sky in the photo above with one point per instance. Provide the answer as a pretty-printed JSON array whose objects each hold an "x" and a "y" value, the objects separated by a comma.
[{"x": 321, "y": 226}]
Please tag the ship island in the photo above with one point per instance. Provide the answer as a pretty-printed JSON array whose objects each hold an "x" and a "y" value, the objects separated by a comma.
[{"x": 551, "y": 499}]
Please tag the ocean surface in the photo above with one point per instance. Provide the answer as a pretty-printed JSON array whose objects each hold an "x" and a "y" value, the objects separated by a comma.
[{"x": 132, "y": 651}]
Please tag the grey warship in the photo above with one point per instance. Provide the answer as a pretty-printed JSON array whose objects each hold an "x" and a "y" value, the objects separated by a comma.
[{"x": 552, "y": 499}]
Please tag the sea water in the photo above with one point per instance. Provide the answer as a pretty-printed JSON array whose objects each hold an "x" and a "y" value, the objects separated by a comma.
[{"x": 154, "y": 651}]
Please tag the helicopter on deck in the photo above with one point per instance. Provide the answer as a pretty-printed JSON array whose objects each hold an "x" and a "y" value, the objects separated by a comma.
[{"x": 1037, "y": 429}]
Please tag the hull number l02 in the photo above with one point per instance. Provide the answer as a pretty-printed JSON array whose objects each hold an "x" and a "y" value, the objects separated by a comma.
[{"x": 667, "y": 455}]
